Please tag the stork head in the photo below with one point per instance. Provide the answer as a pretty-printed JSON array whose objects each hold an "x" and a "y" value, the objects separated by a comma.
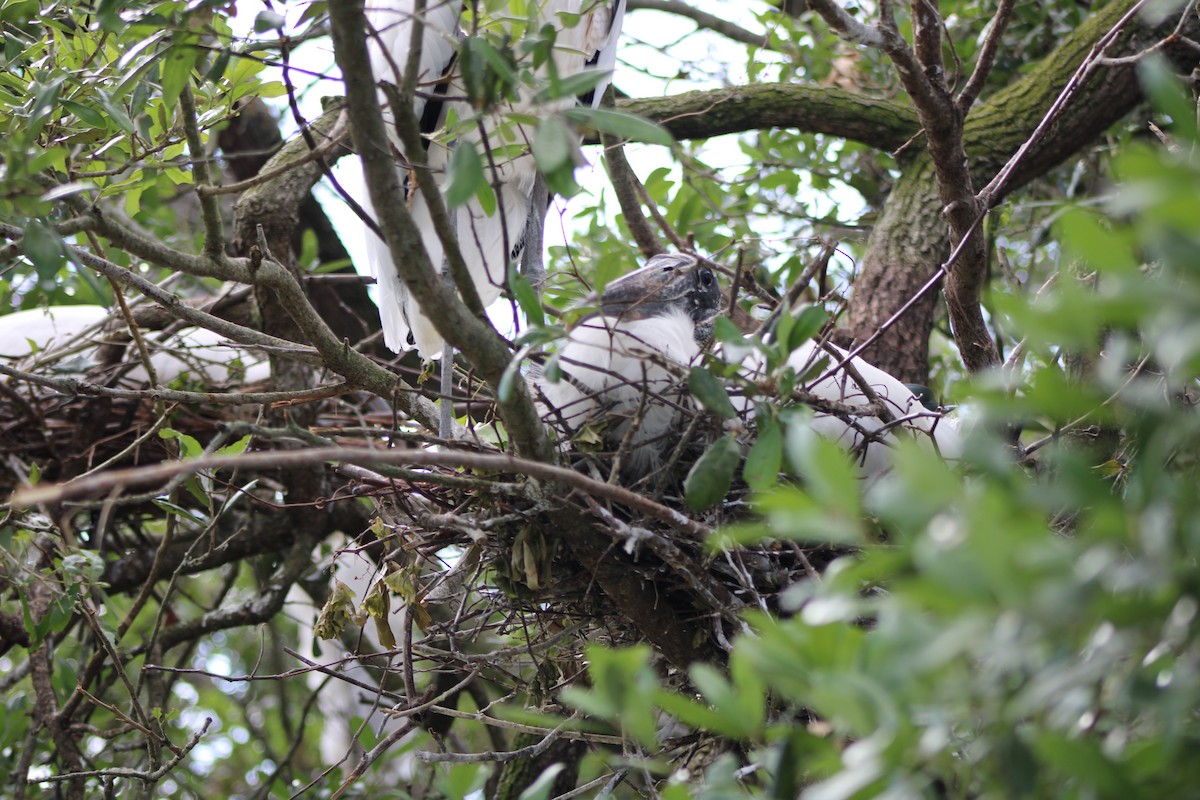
[{"x": 667, "y": 282}]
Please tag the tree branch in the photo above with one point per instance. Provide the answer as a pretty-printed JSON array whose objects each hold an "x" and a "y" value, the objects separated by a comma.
[
  {"x": 922, "y": 74},
  {"x": 879, "y": 123},
  {"x": 625, "y": 185},
  {"x": 152, "y": 475},
  {"x": 986, "y": 58},
  {"x": 477, "y": 340},
  {"x": 703, "y": 20}
]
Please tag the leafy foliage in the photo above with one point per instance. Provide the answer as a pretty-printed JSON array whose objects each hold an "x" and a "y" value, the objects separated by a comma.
[
  {"x": 1019, "y": 623},
  {"x": 1029, "y": 631}
]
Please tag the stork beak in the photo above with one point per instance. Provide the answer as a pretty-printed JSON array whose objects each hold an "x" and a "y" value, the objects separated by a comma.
[{"x": 667, "y": 282}]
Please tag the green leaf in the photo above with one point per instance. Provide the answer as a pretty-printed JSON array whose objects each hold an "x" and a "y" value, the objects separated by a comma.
[
  {"x": 63, "y": 190},
  {"x": 464, "y": 174},
  {"x": 709, "y": 480},
  {"x": 1097, "y": 244},
  {"x": 512, "y": 373},
  {"x": 189, "y": 446},
  {"x": 268, "y": 20},
  {"x": 765, "y": 459},
  {"x": 710, "y": 392},
  {"x": 1081, "y": 760},
  {"x": 523, "y": 292},
  {"x": 725, "y": 332},
  {"x": 621, "y": 124},
  {"x": 575, "y": 85},
  {"x": 807, "y": 324},
  {"x": 824, "y": 465},
  {"x": 795, "y": 515},
  {"x": 235, "y": 448},
  {"x": 86, "y": 114},
  {"x": 179, "y": 511},
  {"x": 540, "y": 788},
  {"x": 44, "y": 248},
  {"x": 554, "y": 148},
  {"x": 83, "y": 565},
  {"x": 1166, "y": 91},
  {"x": 501, "y": 66},
  {"x": 176, "y": 69},
  {"x": 699, "y": 716},
  {"x": 116, "y": 112}
]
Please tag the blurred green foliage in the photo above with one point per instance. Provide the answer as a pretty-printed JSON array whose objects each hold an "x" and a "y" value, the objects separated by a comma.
[
  {"x": 1026, "y": 631},
  {"x": 1030, "y": 629}
]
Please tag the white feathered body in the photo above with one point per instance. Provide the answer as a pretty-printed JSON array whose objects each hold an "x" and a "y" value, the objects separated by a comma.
[
  {"x": 203, "y": 356},
  {"x": 616, "y": 372},
  {"x": 345, "y": 706},
  {"x": 870, "y": 448},
  {"x": 488, "y": 242}
]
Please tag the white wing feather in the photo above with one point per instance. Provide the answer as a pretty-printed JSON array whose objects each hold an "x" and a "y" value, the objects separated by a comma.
[
  {"x": 204, "y": 356},
  {"x": 608, "y": 366},
  {"x": 487, "y": 242}
]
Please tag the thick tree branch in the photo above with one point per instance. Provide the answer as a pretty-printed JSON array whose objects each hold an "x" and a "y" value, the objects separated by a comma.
[
  {"x": 907, "y": 242},
  {"x": 625, "y": 185},
  {"x": 922, "y": 74},
  {"x": 986, "y": 58},
  {"x": 879, "y": 123}
]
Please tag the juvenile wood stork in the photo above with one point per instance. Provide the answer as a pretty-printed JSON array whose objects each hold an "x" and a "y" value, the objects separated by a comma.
[
  {"x": 627, "y": 364},
  {"x": 586, "y": 36},
  {"x": 869, "y": 437}
]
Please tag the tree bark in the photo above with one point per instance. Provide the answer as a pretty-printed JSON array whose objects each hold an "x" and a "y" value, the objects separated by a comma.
[{"x": 910, "y": 242}]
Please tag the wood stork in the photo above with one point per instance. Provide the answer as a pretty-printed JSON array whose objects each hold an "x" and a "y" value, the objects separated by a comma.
[
  {"x": 629, "y": 361},
  {"x": 870, "y": 437},
  {"x": 627, "y": 365},
  {"x": 197, "y": 353},
  {"x": 587, "y": 32}
]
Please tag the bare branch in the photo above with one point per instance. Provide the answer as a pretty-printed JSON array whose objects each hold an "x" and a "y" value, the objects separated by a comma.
[
  {"x": 847, "y": 26},
  {"x": 986, "y": 58},
  {"x": 625, "y": 185},
  {"x": 703, "y": 20},
  {"x": 146, "y": 476},
  {"x": 210, "y": 211}
]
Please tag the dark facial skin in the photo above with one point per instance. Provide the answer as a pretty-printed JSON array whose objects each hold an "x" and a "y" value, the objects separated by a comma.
[{"x": 677, "y": 280}]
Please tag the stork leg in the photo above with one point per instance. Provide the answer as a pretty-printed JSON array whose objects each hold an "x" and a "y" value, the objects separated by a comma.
[
  {"x": 532, "y": 263},
  {"x": 446, "y": 409}
]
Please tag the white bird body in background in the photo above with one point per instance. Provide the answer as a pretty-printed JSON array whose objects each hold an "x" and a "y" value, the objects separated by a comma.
[
  {"x": 488, "y": 241},
  {"x": 344, "y": 706},
  {"x": 198, "y": 353},
  {"x": 868, "y": 439}
]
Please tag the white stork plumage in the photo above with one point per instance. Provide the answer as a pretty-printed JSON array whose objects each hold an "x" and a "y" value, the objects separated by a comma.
[
  {"x": 201, "y": 355},
  {"x": 488, "y": 242},
  {"x": 628, "y": 363},
  {"x": 867, "y": 438},
  {"x": 631, "y": 359}
]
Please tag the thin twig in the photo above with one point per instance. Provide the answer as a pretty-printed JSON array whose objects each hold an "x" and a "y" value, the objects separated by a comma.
[{"x": 141, "y": 476}]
